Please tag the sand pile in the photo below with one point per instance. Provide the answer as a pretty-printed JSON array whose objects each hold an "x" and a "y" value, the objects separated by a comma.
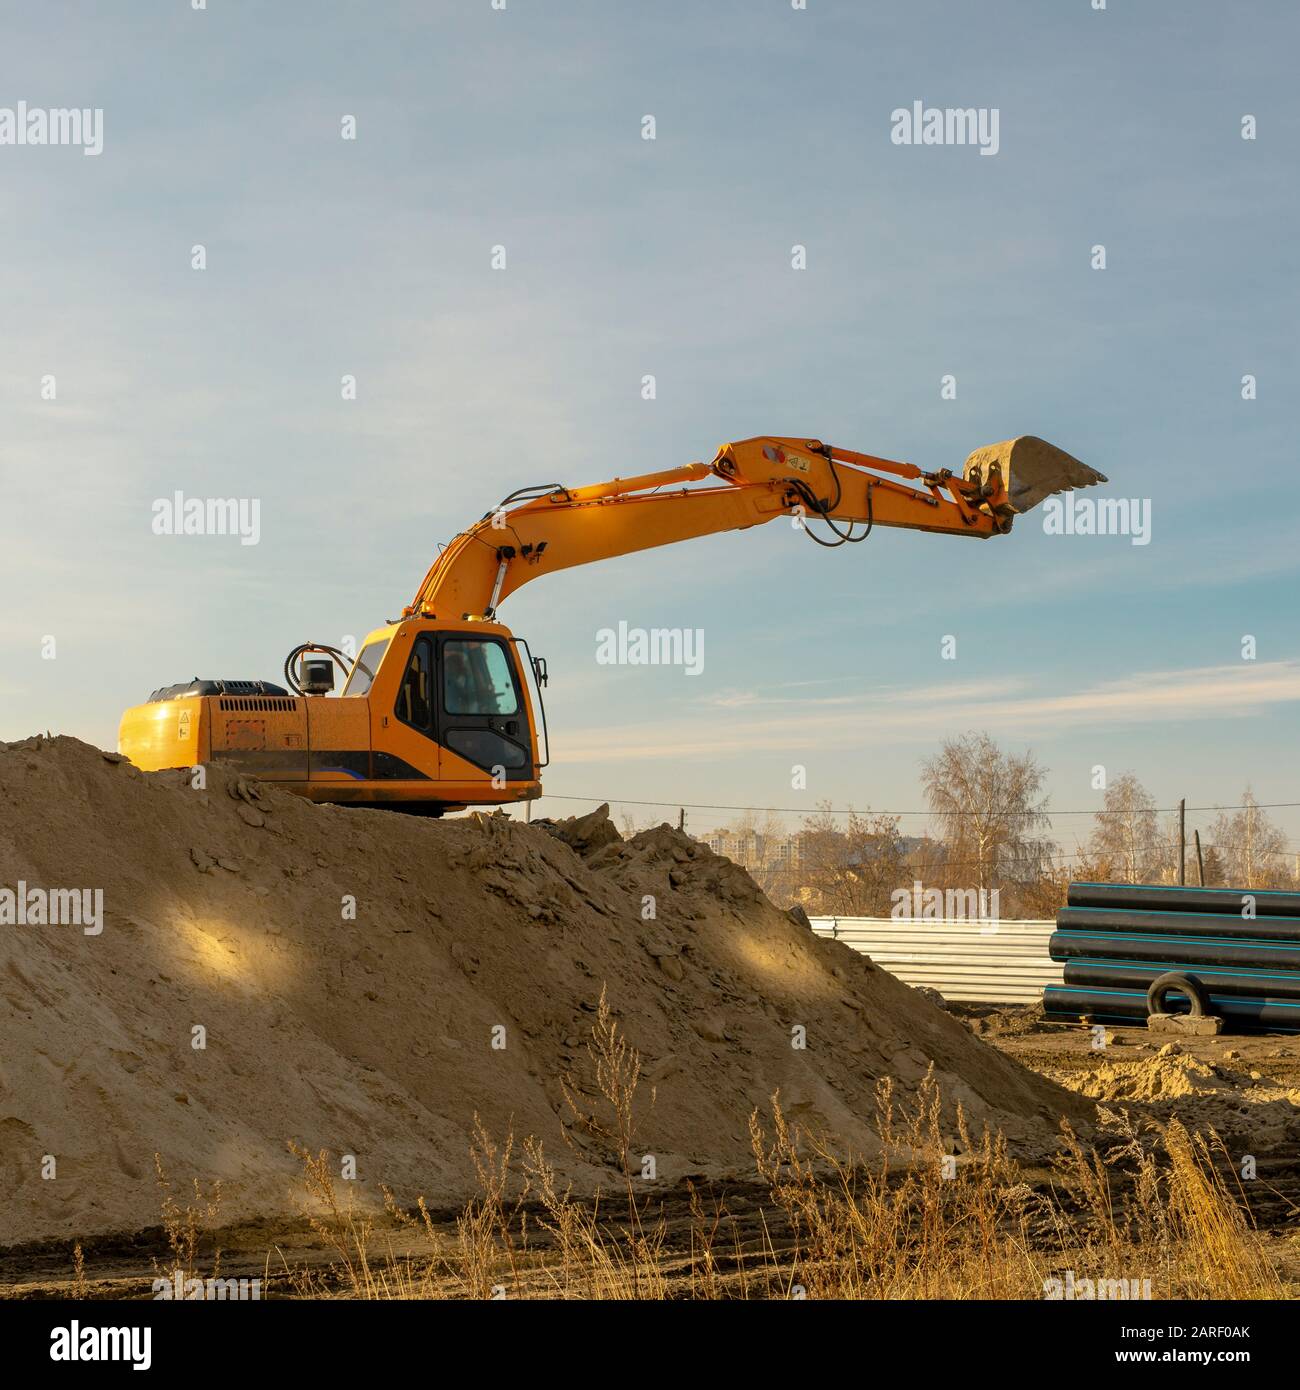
[
  {"x": 1168, "y": 1075},
  {"x": 1207, "y": 1095},
  {"x": 367, "y": 982}
]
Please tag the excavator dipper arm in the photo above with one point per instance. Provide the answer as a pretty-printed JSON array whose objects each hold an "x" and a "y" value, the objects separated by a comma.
[{"x": 760, "y": 479}]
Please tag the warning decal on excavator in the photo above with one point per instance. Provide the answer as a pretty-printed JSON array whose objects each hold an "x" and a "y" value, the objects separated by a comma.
[
  {"x": 801, "y": 465},
  {"x": 183, "y": 725}
]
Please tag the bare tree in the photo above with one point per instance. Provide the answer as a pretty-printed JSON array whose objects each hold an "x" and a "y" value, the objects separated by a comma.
[
  {"x": 987, "y": 807},
  {"x": 1213, "y": 867},
  {"x": 1126, "y": 845},
  {"x": 1039, "y": 898},
  {"x": 851, "y": 872},
  {"x": 1250, "y": 846},
  {"x": 766, "y": 825}
]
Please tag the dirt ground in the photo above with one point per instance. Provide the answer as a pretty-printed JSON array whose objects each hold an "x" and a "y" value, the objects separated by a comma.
[
  {"x": 1244, "y": 1087},
  {"x": 279, "y": 1252}
]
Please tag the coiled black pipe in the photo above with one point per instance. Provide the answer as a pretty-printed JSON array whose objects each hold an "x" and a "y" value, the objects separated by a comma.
[
  {"x": 1181, "y": 923},
  {"x": 1270, "y": 1015},
  {"x": 1176, "y": 950},
  {"x": 1161, "y": 898},
  {"x": 1117, "y": 974}
]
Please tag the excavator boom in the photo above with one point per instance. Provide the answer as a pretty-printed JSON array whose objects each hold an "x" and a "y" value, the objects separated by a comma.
[{"x": 555, "y": 528}]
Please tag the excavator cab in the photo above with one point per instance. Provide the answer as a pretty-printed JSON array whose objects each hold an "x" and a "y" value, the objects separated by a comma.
[{"x": 432, "y": 717}]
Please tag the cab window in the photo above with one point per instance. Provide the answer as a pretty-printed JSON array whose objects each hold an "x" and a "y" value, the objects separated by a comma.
[
  {"x": 415, "y": 694},
  {"x": 477, "y": 679},
  {"x": 363, "y": 670}
]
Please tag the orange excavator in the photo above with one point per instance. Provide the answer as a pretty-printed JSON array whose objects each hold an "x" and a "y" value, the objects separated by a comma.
[{"x": 442, "y": 709}]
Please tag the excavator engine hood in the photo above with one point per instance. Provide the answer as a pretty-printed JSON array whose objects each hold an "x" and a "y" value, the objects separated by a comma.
[{"x": 1031, "y": 470}]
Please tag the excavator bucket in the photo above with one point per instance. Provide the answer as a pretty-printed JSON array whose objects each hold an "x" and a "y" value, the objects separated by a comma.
[{"x": 1031, "y": 468}]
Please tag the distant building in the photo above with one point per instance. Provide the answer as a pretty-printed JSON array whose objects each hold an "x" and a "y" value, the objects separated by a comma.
[
  {"x": 790, "y": 853},
  {"x": 751, "y": 850}
]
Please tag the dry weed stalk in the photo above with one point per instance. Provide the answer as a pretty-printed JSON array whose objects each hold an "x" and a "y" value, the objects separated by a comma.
[
  {"x": 185, "y": 1226},
  {"x": 340, "y": 1227},
  {"x": 595, "y": 1260}
]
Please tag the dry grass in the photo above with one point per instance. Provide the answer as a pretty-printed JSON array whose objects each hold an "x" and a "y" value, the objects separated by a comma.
[
  {"x": 614, "y": 1256},
  {"x": 185, "y": 1228},
  {"x": 540, "y": 1242},
  {"x": 918, "y": 1221},
  {"x": 340, "y": 1228},
  {"x": 1179, "y": 1223},
  {"x": 930, "y": 1218}
]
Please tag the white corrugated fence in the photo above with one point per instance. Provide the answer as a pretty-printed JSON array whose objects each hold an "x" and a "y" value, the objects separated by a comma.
[{"x": 976, "y": 962}]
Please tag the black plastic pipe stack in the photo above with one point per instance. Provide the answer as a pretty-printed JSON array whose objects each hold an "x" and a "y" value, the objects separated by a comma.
[{"x": 1239, "y": 950}]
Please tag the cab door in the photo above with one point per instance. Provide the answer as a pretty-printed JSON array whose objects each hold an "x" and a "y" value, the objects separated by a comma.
[
  {"x": 415, "y": 717},
  {"x": 482, "y": 714}
]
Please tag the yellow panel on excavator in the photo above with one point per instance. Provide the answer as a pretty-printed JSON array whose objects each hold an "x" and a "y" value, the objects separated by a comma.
[
  {"x": 165, "y": 733},
  {"x": 265, "y": 735}
]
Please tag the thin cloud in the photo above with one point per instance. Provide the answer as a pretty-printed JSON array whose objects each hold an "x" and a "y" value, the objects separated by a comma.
[
  {"x": 929, "y": 712},
  {"x": 750, "y": 699}
]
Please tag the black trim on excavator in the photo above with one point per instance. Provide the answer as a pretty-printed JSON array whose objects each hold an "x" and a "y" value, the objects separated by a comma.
[
  {"x": 187, "y": 689},
  {"x": 354, "y": 761}
]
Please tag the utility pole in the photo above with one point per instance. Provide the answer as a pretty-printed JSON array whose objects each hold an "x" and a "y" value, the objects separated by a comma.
[
  {"x": 1200, "y": 863},
  {"x": 1182, "y": 841},
  {"x": 681, "y": 818}
]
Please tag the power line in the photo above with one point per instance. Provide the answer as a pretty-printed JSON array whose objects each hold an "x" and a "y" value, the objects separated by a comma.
[
  {"x": 938, "y": 815},
  {"x": 1052, "y": 856}
]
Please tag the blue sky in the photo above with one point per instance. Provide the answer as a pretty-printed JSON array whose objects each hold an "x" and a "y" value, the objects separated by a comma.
[{"x": 522, "y": 127}]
